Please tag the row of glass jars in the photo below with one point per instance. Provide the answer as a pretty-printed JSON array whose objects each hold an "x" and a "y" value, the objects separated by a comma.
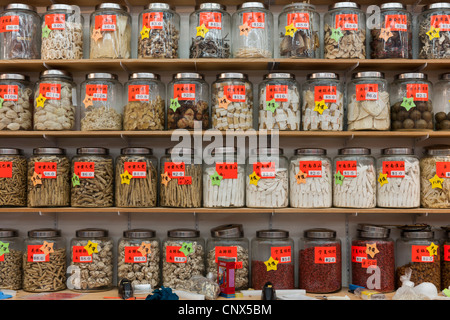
[
  {"x": 214, "y": 33},
  {"x": 322, "y": 103},
  {"x": 267, "y": 179},
  {"x": 269, "y": 257}
]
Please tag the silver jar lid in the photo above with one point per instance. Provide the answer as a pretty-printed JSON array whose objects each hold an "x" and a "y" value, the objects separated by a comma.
[
  {"x": 393, "y": 5},
  {"x": 92, "y": 150},
  {"x": 48, "y": 151},
  {"x": 53, "y": 73},
  {"x": 372, "y": 231},
  {"x": 178, "y": 150},
  {"x": 139, "y": 233},
  {"x": 20, "y": 6},
  {"x": 210, "y": 6},
  {"x": 279, "y": 75},
  {"x": 252, "y": 5},
  {"x": 136, "y": 151},
  {"x": 438, "y": 151},
  {"x": 91, "y": 233},
  {"x": 299, "y": 6},
  {"x": 110, "y": 5},
  {"x": 44, "y": 233},
  {"x": 398, "y": 151},
  {"x": 444, "y": 76},
  {"x": 188, "y": 75},
  {"x": 183, "y": 233},
  {"x": 424, "y": 234},
  {"x": 272, "y": 234},
  {"x": 10, "y": 151},
  {"x": 368, "y": 74},
  {"x": 310, "y": 152},
  {"x": 323, "y": 75},
  {"x": 8, "y": 233},
  {"x": 59, "y": 6},
  {"x": 228, "y": 231},
  {"x": 159, "y": 6},
  {"x": 411, "y": 75},
  {"x": 354, "y": 151},
  {"x": 101, "y": 75},
  {"x": 438, "y": 5},
  {"x": 319, "y": 233},
  {"x": 14, "y": 76},
  {"x": 232, "y": 75},
  {"x": 267, "y": 151},
  {"x": 342, "y": 5},
  {"x": 144, "y": 75},
  {"x": 224, "y": 150}
]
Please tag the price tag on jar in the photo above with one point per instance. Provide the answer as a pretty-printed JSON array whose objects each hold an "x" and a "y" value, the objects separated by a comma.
[
  {"x": 394, "y": 169},
  {"x": 299, "y": 20},
  {"x": 84, "y": 170},
  {"x": 347, "y": 168},
  {"x": 325, "y": 255},
  {"x": 9, "y": 93},
  {"x": 211, "y": 20},
  {"x": 366, "y": 92},
  {"x": 255, "y": 20},
  {"x": 279, "y": 93},
  {"x": 174, "y": 255},
  {"x": 50, "y": 91},
  {"x": 281, "y": 254},
  {"x": 396, "y": 22},
  {"x": 134, "y": 255},
  {"x": 443, "y": 169},
  {"x": 9, "y": 23},
  {"x": 348, "y": 21},
  {"x": 138, "y": 92},
  {"x": 229, "y": 252},
  {"x": 234, "y": 93},
  {"x": 228, "y": 170},
  {"x": 48, "y": 170},
  {"x": 6, "y": 169},
  {"x": 265, "y": 170},
  {"x": 55, "y": 21},
  {"x": 136, "y": 169},
  {"x": 446, "y": 252},
  {"x": 35, "y": 254},
  {"x": 421, "y": 254},
  {"x": 440, "y": 21},
  {"x": 153, "y": 20},
  {"x": 417, "y": 91},
  {"x": 81, "y": 255},
  {"x": 184, "y": 91},
  {"x": 98, "y": 92},
  {"x": 326, "y": 93},
  {"x": 175, "y": 169},
  {"x": 313, "y": 169},
  {"x": 106, "y": 22}
]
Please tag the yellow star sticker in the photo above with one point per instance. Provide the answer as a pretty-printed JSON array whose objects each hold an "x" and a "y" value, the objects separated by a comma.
[
  {"x": 371, "y": 249},
  {"x": 202, "y": 31},
  {"x": 432, "y": 249},
  {"x": 271, "y": 264},
  {"x": 40, "y": 101},
  {"x": 254, "y": 178},
  {"x": 165, "y": 178},
  {"x": 145, "y": 32},
  {"x": 126, "y": 177},
  {"x": 433, "y": 33},
  {"x": 320, "y": 106},
  {"x": 382, "y": 179},
  {"x": 88, "y": 101},
  {"x": 145, "y": 248},
  {"x": 436, "y": 182},
  {"x": 47, "y": 247},
  {"x": 301, "y": 177},
  {"x": 290, "y": 30},
  {"x": 91, "y": 247}
]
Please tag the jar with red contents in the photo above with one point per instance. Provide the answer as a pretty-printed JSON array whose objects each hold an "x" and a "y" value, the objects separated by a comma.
[
  {"x": 320, "y": 262},
  {"x": 272, "y": 259},
  {"x": 373, "y": 258}
]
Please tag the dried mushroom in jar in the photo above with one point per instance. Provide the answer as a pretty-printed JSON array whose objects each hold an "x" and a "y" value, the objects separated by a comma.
[
  {"x": 434, "y": 32},
  {"x": 13, "y": 178},
  {"x": 434, "y": 184}
]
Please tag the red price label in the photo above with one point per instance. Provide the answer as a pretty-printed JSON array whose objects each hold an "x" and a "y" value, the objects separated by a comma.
[
  {"x": 9, "y": 23},
  {"x": 278, "y": 92},
  {"x": 417, "y": 91},
  {"x": 211, "y": 20},
  {"x": 396, "y": 22},
  {"x": 153, "y": 20},
  {"x": 366, "y": 92},
  {"x": 366, "y": 263},
  {"x": 6, "y": 169},
  {"x": 229, "y": 252},
  {"x": 443, "y": 169},
  {"x": 255, "y": 20},
  {"x": 327, "y": 93},
  {"x": 347, "y": 168},
  {"x": 421, "y": 254},
  {"x": 265, "y": 170},
  {"x": 136, "y": 169},
  {"x": 313, "y": 169},
  {"x": 98, "y": 92},
  {"x": 228, "y": 170},
  {"x": 47, "y": 169},
  {"x": 184, "y": 91},
  {"x": 281, "y": 254},
  {"x": 81, "y": 255},
  {"x": 9, "y": 92},
  {"x": 441, "y": 21},
  {"x": 138, "y": 92},
  {"x": 234, "y": 93},
  {"x": 84, "y": 170},
  {"x": 348, "y": 21},
  {"x": 299, "y": 19},
  {"x": 51, "y": 91},
  {"x": 324, "y": 255},
  {"x": 175, "y": 169},
  {"x": 446, "y": 252},
  {"x": 56, "y": 21},
  {"x": 359, "y": 254},
  {"x": 173, "y": 255},
  {"x": 133, "y": 255},
  {"x": 35, "y": 254},
  {"x": 394, "y": 169},
  {"x": 106, "y": 22},
  {"x": 183, "y": 181}
]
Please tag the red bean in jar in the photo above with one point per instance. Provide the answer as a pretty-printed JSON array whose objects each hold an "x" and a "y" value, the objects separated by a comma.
[
  {"x": 373, "y": 258},
  {"x": 320, "y": 263},
  {"x": 272, "y": 259}
]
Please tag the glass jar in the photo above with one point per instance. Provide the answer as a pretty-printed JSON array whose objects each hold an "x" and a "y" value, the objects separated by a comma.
[
  {"x": 91, "y": 260},
  {"x": 44, "y": 261},
  {"x": 11, "y": 259},
  {"x": 354, "y": 179},
  {"x": 13, "y": 178},
  {"x": 252, "y": 31},
  {"x": 373, "y": 258},
  {"x": 345, "y": 31},
  {"x": 392, "y": 39},
  {"x": 398, "y": 172},
  {"x": 92, "y": 178},
  {"x": 310, "y": 178},
  {"x": 189, "y": 102},
  {"x": 279, "y": 102},
  {"x": 445, "y": 258},
  {"x": 146, "y": 102},
  {"x": 20, "y": 36},
  {"x": 110, "y": 32},
  {"x": 232, "y": 102},
  {"x": 434, "y": 178},
  {"x": 299, "y": 31},
  {"x": 228, "y": 241},
  {"x": 441, "y": 96},
  {"x": 223, "y": 179},
  {"x": 16, "y": 107},
  {"x": 183, "y": 257},
  {"x": 102, "y": 105},
  {"x": 273, "y": 245},
  {"x": 55, "y": 98},
  {"x": 320, "y": 262},
  {"x": 181, "y": 179},
  {"x": 48, "y": 178},
  {"x": 411, "y": 96},
  {"x": 323, "y": 102},
  {"x": 432, "y": 43},
  {"x": 210, "y": 31},
  {"x": 159, "y": 34},
  {"x": 418, "y": 250},
  {"x": 267, "y": 179},
  {"x": 62, "y": 33},
  {"x": 368, "y": 105},
  {"x": 139, "y": 257},
  {"x": 136, "y": 178}
]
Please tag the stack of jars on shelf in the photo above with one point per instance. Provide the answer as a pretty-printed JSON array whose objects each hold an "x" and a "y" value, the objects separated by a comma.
[
  {"x": 322, "y": 102},
  {"x": 44, "y": 261},
  {"x": 249, "y": 32},
  {"x": 309, "y": 179}
]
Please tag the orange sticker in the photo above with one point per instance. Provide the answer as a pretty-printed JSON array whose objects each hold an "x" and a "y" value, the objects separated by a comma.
[
  {"x": 359, "y": 254},
  {"x": 313, "y": 169},
  {"x": 51, "y": 91},
  {"x": 366, "y": 263},
  {"x": 48, "y": 170},
  {"x": 446, "y": 252},
  {"x": 421, "y": 254},
  {"x": 278, "y": 92},
  {"x": 184, "y": 91},
  {"x": 443, "y": 169},
  {"x": 300, "y": 20},
  {"x": 56, "y": 21},
  {"x": 174, "y": 169},
  {"x": 138, "y": 92},
  {"x": 153, "y": 20},
  {"x": 9, "y": 92},
  {"x": 174, "y": 255},
  {"x": 6, "y": 169},
  {"x": 234, "y": 93},
  {"x": 106, "y": 22},
  {"x": 417, "y": 91},
  {"x": 228, "y": 170},
  {"x": 281, "y": 254},
  {"x": 255, "y": 20},
  {"x": 133, "y": 255},
  {"x": 98, "y": 92},
  {"x": 35, "y": 254},
  {"x": 81, "y": 255},
  {"x": 324, "y": 255},
  {"x": 9, "y": 23},
  {"x": 396, "y": 22},
  {"x": 211, "y": 20},
  {"x": 441, "y": 21},
  {"x": 394, "y": 169},
  {"x": 348, "y": 21},
  {"x": 183, "y": 181},
  {"x": 326, "y": 93},
  {"x": 367, "y": 92},
  {"x": 265, "y": 170},
  {"x": 136, "y": 169},
  {"x": 347, "y": 168},
  {"x": 84, "y": 170}
]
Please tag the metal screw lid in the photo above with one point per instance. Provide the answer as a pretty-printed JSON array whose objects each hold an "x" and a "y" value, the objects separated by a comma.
[
  {"x": 183, "y": 151},
  {"x": 159, "y": 6},
  {"x": 437, "y": 150},
  {"x": 372, "y": 231},
  {"x": 136, "y": 151},
  {"x": 279, "y": 75},
  {"x": 340, "y": 5},
  {"x": 444, "y": 76},
  {"x": 393, "y": 5},
  {"x": 310, "y": 151},
  {"x": 411, "y": 75},
  {"x": 10, "y": 151},
  {"x": 299, "y": 6},
  {"x": 139, "y": 233},
  {"x": 188, "y": 75},
  {"x": 91, "y": 233},
  {"x": 228, "y": 231},
  {"x": 8, "y": 233},
  {"x": 323, "y": 75},
  {"x": 92, "y": 150},
  {"x": 354, "y": 151},
  {"x": 232, "y": 75},
  {"x": 44, "y": 233},
  {"x": 267, "y": 151},
  {"x": 417, "y": 234},
  {"x": 319, "y": 233},
  {"x": 14, "y": 76},
  {"x": 53, "y": 73},
  {"x": 20, "y": 6},
  {"x": 101, "y": 75},
  {"x": 251, "y": 5},
  {"x": 210, "y": 6},
  {"x": 397, "y": 151},
  {"x": 439, "y": 5},
  {"x": 59, "y": 6},
  {"x": 183, "y": 233},
  {"x": 272, "y": 234},
  {"x": 48, "y": 151},
  {"x": 144, "y": 75},
  {"x": 110, "y": 5},
  {"x": 368, "y": 74}
]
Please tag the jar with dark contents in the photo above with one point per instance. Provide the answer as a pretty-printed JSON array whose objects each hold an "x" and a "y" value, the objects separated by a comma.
[
  {"x": 393, "y": 38},
  {"x": 411, "y": 96},
  {"x": 418, "y": 251},
  {"x": 11, "y": 255},
  {"x": 433, "y": 28},
  {"x": 441, "y": 98},
  {"x": 372, "y": 255},
  {"x": 273, "y": 245},
  {"x": 320, "y": 263},
  {"x": 445, "y": 258}
]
